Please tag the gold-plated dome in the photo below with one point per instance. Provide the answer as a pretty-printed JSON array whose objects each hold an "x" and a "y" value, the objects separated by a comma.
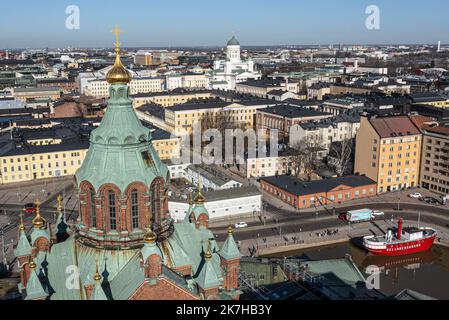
[
  {"x": 118, "y": 74},
  {"x": 230, "y": 230},
  {"x": 32, "y": 264},
  {"x": 208, "y": 253},
  {"x": 150, "y": 237},
  {"x": 97, "y": 275},
  {"x": 38, "y": 221}
]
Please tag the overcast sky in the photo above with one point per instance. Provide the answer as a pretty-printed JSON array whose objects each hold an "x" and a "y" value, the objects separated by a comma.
[{"x": 42, "y": 23}]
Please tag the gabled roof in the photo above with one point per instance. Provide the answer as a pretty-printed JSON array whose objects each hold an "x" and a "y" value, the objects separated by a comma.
[
  {"x": 23, "y": 247},
  {"x": 34, "y": 287},
  {"x": 229, "y": 250}
]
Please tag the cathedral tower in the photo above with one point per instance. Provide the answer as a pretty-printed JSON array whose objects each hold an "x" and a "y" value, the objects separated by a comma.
[{"x": 122, "y": 181}]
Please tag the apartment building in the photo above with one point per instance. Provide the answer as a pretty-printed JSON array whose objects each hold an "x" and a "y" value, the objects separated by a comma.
[
  {"x": 170, "y": 98},
  {"x": 282, "y": 117},
  {"x": 59, "y": 151},
  {"x": 182, "y": 118},
  {"x": 435, "y": 159},
  {"x": 325, "y": 132},
  {"x": 388, "y": 150},
  {"x": 24, "y": 94},
  {"x": 99, "y": 88}
]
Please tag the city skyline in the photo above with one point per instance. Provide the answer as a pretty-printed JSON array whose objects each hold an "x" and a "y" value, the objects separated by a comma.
[{"x": 203, "y": 24}]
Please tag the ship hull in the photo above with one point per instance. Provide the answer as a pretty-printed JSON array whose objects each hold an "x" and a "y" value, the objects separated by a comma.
[{"x": 401, "y": 248}]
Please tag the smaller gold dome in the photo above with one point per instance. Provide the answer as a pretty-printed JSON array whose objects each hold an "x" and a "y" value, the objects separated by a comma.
[
  {"x": 118, "y": 74},
  {"x": 150, "y": 237},
  {"x": 38, "y": 221},
  {"x": 208, "y": 254},
  {"x": 32, "y": 264},
  {"x": 230, "y": 231},
  {"x": 97, "y": 275}
]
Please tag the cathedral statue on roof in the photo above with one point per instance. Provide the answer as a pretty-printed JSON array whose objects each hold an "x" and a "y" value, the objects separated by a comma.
[
  {"x": 227, "y": 73},
  {"x": 125, "y": 245}
]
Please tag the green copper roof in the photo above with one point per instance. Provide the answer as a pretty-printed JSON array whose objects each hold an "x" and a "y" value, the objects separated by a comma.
[
  {"x": 208, "y": 277},
  {"x": 233, "y": 42},
  {"x": 39, "y": 233},
  {"x": 199, "y": 209},
  {"x": 34, "y": 287},
  {"x": 23, "y": 246},
  {"x": 121, "y": 151},
  {"x": 128, "y": 280},
  {"x": 229, "y": 250},
  {"x": 149, "y": 249}
]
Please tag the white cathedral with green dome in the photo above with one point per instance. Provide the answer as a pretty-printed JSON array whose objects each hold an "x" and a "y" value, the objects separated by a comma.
[
  {"x": 125, "y": 246},
  {"x": 227, "y": 73}
]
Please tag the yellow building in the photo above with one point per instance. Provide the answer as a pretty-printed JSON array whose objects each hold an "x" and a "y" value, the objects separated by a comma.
[
  {"x": 431, "y": 99},
  {"x": 168, "y": 99},
  {"x": 182, "y": 118},
  {"x": 99, "y": 88},
  {"x": 388, "y": 150},
  {"x": 47, "y": 158},
  {"x": 40, "y": 162}
]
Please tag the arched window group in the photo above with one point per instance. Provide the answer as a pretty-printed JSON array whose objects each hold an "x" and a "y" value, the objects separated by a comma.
[{"x": 103, "y": 209}]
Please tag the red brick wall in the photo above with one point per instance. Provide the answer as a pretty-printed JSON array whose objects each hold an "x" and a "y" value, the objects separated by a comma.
[{"x": 325, "y": 197}]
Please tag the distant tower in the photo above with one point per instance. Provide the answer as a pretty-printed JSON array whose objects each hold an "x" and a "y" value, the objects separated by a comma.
[
  {"x": 439, "y": 46},
  {"x": 233, "y": 50}
]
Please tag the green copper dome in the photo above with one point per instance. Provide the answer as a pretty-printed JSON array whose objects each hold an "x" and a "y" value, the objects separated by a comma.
[
  {"x": 120, "y": 149},
  {"x": 233, "y": 42}
]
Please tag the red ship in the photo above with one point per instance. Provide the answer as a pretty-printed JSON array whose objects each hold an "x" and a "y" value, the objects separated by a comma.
[{"x": 401, "y": 241}]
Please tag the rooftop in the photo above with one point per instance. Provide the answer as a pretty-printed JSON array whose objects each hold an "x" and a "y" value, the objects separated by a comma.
[
  {"x": 301, "y": 188},
  {"x": 396, "y": 126},
  {"x": 289, "y": 111}
]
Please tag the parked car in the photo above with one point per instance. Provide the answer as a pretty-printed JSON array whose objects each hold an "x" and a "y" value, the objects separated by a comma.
[
  {"x": 378, "y": 213},
  {"x": 415, "y": 195},
  {"x": 241, "y": 225},
  {"x": 431, "y": 200},
  {"x": 29, "y": 208}
]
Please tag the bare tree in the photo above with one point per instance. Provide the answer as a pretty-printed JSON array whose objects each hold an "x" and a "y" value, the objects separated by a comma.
[
  {"x": 307, "y": 158},
  {"x": 341, "y": 154}
]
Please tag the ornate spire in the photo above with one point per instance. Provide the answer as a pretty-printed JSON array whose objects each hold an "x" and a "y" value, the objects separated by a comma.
[
  {"x": 230, "y": 231},
  {"x": 208, "y": 253},
  {"x": 59, "y": 199},
  {"x": 118, "y": 74},
  {"x": 190, "y": 197},
  {"x": 199, "y": 199},
  {"x": 38, "y": 222},
  {"x": 21, "y": 226}
]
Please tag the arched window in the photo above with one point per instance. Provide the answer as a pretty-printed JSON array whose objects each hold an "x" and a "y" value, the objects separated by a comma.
[
  {"x": 154, "y": 199},
  {"x": 112, "y": 210},
  {"x": 92, "y": 209},
  {"x": 135, "y": 209}
]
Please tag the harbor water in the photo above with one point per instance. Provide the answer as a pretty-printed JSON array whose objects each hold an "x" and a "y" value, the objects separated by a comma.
[{"x": 425, "y": 272}]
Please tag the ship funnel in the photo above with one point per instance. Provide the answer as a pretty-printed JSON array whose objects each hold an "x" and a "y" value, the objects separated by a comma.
[{"x": 400, "y": 229}]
